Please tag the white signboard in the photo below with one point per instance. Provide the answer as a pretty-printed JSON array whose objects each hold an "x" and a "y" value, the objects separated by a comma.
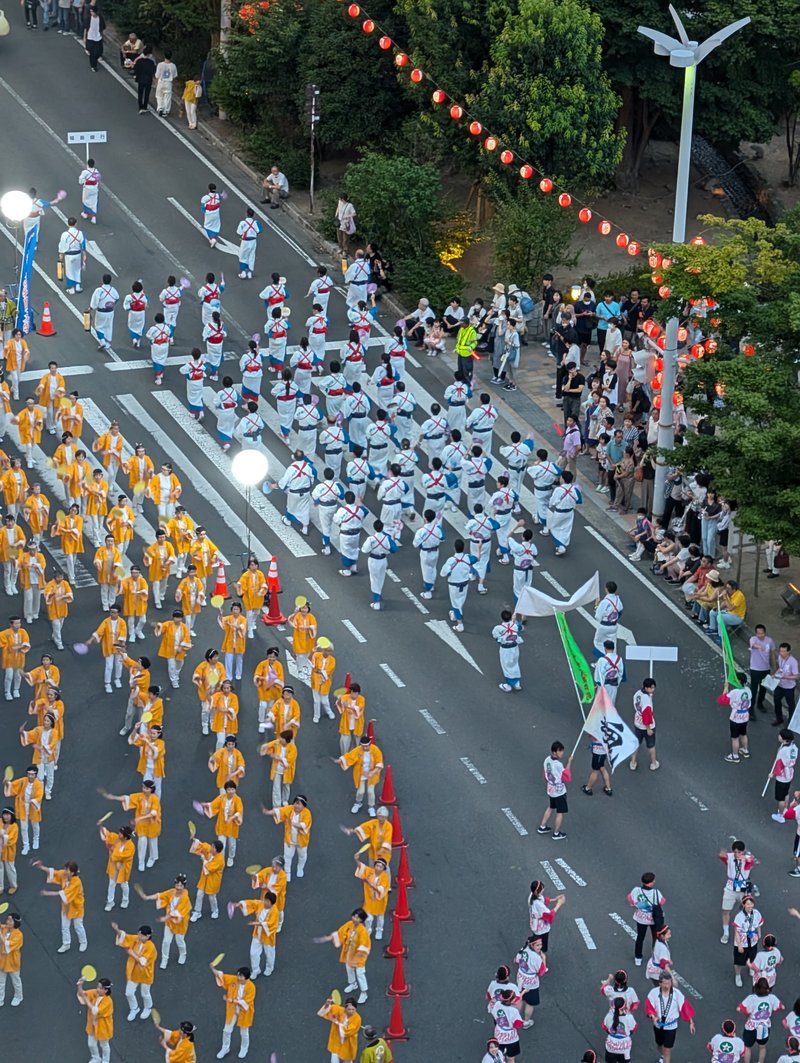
[
  {"x": 99, "y": 136},
  {"x": 668, "y": 654}
]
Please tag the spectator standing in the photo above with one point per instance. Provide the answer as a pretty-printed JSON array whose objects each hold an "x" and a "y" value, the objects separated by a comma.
[
  {"x": 585, "y": 318},
  {"x": 144, "y": 71},
  {"x": 572, "y": 390},
  {"x": 64, "y": 7},
  {"x": 786, "y": 672},
  {"x": 166, "y": 72},
  {"x": 606, "y": 310},
  {"x": 192, "y": 91},
  {"x": 466, "y": 342},
  {"x": 276, "y": 187},
  {"x": 623, "y": 473},
  {"x": 549, "y": 301},
  {"x": 31, "y": 9},
  {"x": 762, "y": 663},
  {"x": 345, "y": 217},
  {"x": 94, "y": 25}
]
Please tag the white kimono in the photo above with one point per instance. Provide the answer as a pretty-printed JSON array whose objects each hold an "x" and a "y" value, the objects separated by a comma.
[
  {"x": 561, "y": 512},
  {"x": 209, "y": 295},
  {"x": 195, "y": 373},
  {"x": 225, "y": 402},
  {"x": 104, "y": 300},
  {"x": 89, "y": 180},
  {"x": 72, "y": 245},
  {"x": 317, "y": 328},
  {"x": 297, "y": 481},
  {"x": 136, "y": 305},
  {"x": 507, "y": 637},
  {"x": 320, "y": 292},
  {"x": 247, "y": 230},
  {"x": 251, "y": 365},
  {"x": 170, "y": 299},
  {"x": 210, "y": 204},
  {"x": 285, "y": 394},
  {"x": 357, "y": 279}
]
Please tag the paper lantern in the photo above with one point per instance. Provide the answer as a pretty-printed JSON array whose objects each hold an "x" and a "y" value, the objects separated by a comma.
[
  {"x": 622, "y": 240},
  {"x": 526, "y": 172},
  {"x": 438, "y": 96},
  {"x": 506, "y": 157},
  {"x": 655, "y": 328},
  {"x": 653, "y": 259},
  {"x": 648, "y": 327},
  {"x": 658, "y": 365},
  {"x": 490, "y": 143},
  {"x": 748, "y": 350},
  {"x": 456, "y": 111},
  {"x": 657, "y": 402},
  {"x": 416, "y": 75},
  {"x": 475, "y": 128},
  {"x": 697, "y": 241},
  {"x": 658, "y": 380},
  {"x": 664, "y": 291},
  {"x": 604, "y": 228},
  {"x": 634, "y": 247},
  {"x": 385, "y": 43},
  {"x": 698, "y": 350},
  {"x": 711, "y": 346},
  {"x": 401, "y": 59},
  {"x": 368, "y": 26},
  {"x": 545, "y": 185},
  {"x": 354, "y": 11},
  {"x": 656, "y": 277},
  {"x": 661, "y": 343},
  {"x": 565, "y": 199},
  {"x": 683, "y": 335},
  {"x": 584, "y": 214},
  {"x": 715, "y": 322}
]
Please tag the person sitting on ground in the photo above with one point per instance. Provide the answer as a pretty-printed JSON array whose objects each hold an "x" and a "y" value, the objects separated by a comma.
[
  {"x": 130, "y": 51},
  {"x": 453, "y": 317},
  {"x": 416, "y": 323},
  {"x": 276, "y": 187},
  {"x": 434, "y": 339}
]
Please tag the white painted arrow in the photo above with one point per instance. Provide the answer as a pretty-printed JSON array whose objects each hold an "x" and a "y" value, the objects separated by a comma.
[
  {"x": 221, "y": 244},
  {"x": 446, "y": 634},
  {"x": 92, "y": 247}
]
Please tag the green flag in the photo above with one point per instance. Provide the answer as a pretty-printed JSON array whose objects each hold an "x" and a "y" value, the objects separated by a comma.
[
  {"x": 727, "y": 653},
  {"x": 581, "y": 672}
]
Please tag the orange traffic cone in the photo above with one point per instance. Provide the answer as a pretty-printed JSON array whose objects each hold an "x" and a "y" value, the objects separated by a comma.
[
  {"x": 273, "y": 617},
  {"x": 273, "y": 583},
  {"x": 403, "y": 874},
  {"x": 395, "y": 946},
  {"x": 46, "y": 326},
  {"x": 402, "y": 910},
  {"x": 348, "y": 682},
  {"x": 398, "y": 987},
  {"x": 221, "y": 586},
  {"x": 371, "y": 730},
  {"x": 397, "y": 829},
  {"x": 388, "y": 796},
  {"x": 396, "y": 1031}
]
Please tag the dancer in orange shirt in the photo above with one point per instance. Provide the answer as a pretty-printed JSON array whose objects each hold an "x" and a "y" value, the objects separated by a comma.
[
  {"x": 268, "y": 680},
  {"x": 181, "y": 529},
  {"x": 11, "y": 942},
  {"x": 49, "y": 391},
  {"x": 354, "y": 946},
  {"x": 69, "y": 415},
  {"x": 252, "y": 589},
  {"x": 350, "y": 707},
  {"x": 16, "y": 354},
  {"x": 134, "y": 592},
  {"x": 31, "y": 567},
  {"x": 71, "y": 896},
  {"x": 120, "y": 524},
  {"x": 108, "y": 569},
  {"x": 95, "y": 505},
  {"x": 177, "y": 910},
  {"x": 15, "y": 644},
  {"x": 110, "y": 446},
  {"x": 140, "y": 969},
  {"x": 228, "y": 763},
  {"x": 139, "y": 469},
  {"x": 366, "y": 760},
  {"x": 176, "y": 641},
  {"x": 283, "y": 753},
  {"x": 30, "y": 421},
  {"x": 152, "y": 754},
  {"x": 204, "y": 554},
  {"x": 304, "y": 634},
  {"x": 285, "y": 713},
  {"x": 297, "y": 820},
  {"x": 378, "y": 832},
  {"x": 229, "y": 810},
  {"x": 9, "y": 836},
  {"x": 111, "y": 634},
  {"x": 15, "y": 487},
  {"x": 234, "y": 627},
  {"x": 99, "y": 1018},
  {"x": 191, "y": 596},
  {"x": 146, "y": 807},
  {"x": 224, "y": 713},
  {"x": 345, "y": 1024},
  {"x": 208, "y": 677},
  {"x": 69, "y": 529},
  {"x": 120, "y": 862},
  {"x": 212, "y": 855},
  {"x": 159, "y": 559},
  {"x": 265, "y": 929},
  {"x": 28, "y": 794},
  {"x": 273, "y": 879},
  {"x": 36, "y": 511},
  {"x": 12, "y": 542},
  {"x": 323, "y": 664},
  {"x": 240, "y": 995},
  {"x": 57, "y": 596},
  {"x": 377, "y": 883},
  {"x": 178, "y": 1044}
]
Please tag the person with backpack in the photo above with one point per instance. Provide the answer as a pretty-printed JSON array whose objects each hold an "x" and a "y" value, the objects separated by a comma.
[{"x": 647, "y": 902}]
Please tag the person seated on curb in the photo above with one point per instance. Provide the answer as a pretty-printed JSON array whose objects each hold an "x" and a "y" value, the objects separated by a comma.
[
  {"x": 130, "y": 51},
  {"x": 275, "y": 187},
  {"x": 416, "y": 323}
]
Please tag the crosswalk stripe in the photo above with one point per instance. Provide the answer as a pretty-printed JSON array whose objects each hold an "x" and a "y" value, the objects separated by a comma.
[
  {"x": 446, "y": 634},
  {"x": 66, "y": 370},
  {"x": 214, "y": 453}
]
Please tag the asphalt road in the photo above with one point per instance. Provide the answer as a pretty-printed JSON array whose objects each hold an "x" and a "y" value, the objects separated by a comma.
[{"x": 466, "y": 758}]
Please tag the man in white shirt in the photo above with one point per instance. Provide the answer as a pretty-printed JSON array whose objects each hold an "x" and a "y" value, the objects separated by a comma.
[
  {"x": 166, "y": 72},
  {"x": 276, "y": 188},
  {"x": 414, "y": 325},
  {"x": 453, "y": 317}
]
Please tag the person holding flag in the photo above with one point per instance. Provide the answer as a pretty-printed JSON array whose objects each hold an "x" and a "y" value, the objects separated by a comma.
[
  {"x": 741, "y": 702},
  {"x": 613, "y": 741}
]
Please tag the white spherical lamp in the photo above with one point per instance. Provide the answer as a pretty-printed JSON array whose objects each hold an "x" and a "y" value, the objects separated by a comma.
[
  {"x": 250, "y": 467},
  {"x": 16, "y": 206}
]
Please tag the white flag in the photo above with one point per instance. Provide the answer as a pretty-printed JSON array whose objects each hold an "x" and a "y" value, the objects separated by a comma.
[
  {"x": 534, "y": 603},
  {"x": 606, "y": 725}
]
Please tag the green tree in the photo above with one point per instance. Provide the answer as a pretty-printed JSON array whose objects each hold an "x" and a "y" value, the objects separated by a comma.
[
  {"x": 531, "y": 234},
  {"x": 548, "y": 95}
]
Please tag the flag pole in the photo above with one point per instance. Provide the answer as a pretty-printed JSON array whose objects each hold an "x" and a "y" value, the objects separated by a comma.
[{"x": 569, "y": 666}]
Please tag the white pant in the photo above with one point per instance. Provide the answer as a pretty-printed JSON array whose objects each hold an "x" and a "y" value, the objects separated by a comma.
[
  {"x": 94, "y": 529},
  {"x": 234, "y": 660},
  {"x": 111, "y": 893},
  {"x": 357, "y": 976},
  {"x": 378, "y": 924},
  {"x": 69, "y": 561},
  {"x": 113, "y": 664},
  {"x": 130, "y": 995},
  {"x": 523, "y": 577},
  {"x": 603, "y": 633},
  {"x": 213, "y": 903},
  {"x": 429, "y": 564},
  {"x": 244, "y": 1035},
  {"x": 136, "y": 625},
  {"x": 191, "y": 113},
  {"x": 77, "y": 925},
  {"x": 99, "y": 1049},
  {"x": 228, "y": 845},
  {"x": 159, "y": 588},
  {"x": 146, "y": 847},
  {"x": 174, "y": 667},
  {"x": 108, "y": 595},
  {"x": 23, "y": 832},
  {"x": 256, "y": 950},
  {"x": 164, "y": 96},
  {"x": 166, "y": 946},
  {"x": 8, "y": 871},
  {"x": 10, "y": 575},
  {"x": 16, "y": 984},
  {"x": 47, "y": 768},
  {"x": 369, "y": 791},
  {"x": 458, "y": 595},
  {"x": 346, "y": 741},
  {"x": 377, "y": 575},
  {"x": 252, "y": 619},
  {"x": 13, "y": 679},
  {"x": 280, "y": 791},
  {"x": 57, "y": 626},
  {"x": 289, "y": 852},
  {"x": 321, "y": 701},
  {"x": 31, "y": 601}
]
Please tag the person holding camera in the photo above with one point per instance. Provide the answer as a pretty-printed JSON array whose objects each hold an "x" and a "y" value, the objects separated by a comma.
[{"x": 738, "y": 865}]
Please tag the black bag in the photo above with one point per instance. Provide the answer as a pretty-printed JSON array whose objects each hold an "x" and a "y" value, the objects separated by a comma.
[{"x": 658, "y": 913}]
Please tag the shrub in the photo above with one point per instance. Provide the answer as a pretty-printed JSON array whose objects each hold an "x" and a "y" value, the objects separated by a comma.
[{"x": 423, "y": 275}]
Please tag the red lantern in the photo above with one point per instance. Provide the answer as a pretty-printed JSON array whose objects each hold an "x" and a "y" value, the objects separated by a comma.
[
  {"x": 682, "y": 335},
  {"x": 545, "y": 185},
  {"x": 354, "y": 11},
  {"x": 677, "y": 398},
  {"x": 711, "y": 346},
  {"x": 506, "y": 157},
  {"x": 456, "y": 111},
  {"x": 385, "y": 43},
  {"x": 661, "y": 343},
  {"x": 416, "y": 75},
  {"x": 439, "y": 96},
  {"x": 653, "y": 259},
  {"x": 604, "y": 228},
  {"x": 648, "y": 327},
  {"x": 490, "y": 143},
  {"x": 656, "y": 329},
  {"x": 658, "y": 364},
  {"x": 748, "y": 350},
  {"x": 698, "y": 350},
  {"x": 622, "y": 240},
  {"x": 584, "y": 214},
  {"x": 664, "y": 291},
  {"x": 656, "y": 277},
  {"x": 401, "y": 59},
  {"x": 715, "y": 322},
  {"x": 526, "y": 172},
  {"x": 666, "y": 262},
  {"x": 658, "y": 380},
  {"x": 697, "y": 241},
  {"x": 565, "y": 199},
  {"x": 475, "y": 128},
  {"x": 634, "y": 247},
  {"x": 657, "y": 402},
  {"x": 368, "y": 26}
]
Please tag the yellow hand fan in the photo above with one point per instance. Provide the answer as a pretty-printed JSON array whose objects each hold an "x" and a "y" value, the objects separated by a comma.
[
  {"x": 214, "y": 676},
  {"x": 253, "y": 869},
  {"x": 138, "y": 889},
  {"x": 88, "y": 972},
  {"x": 62, "y": 470},
  {"x": 155, "y": 1016},
  {"x": 300, "y": 601},
  {"x": 218, "y": 960},
  {"x": 147, "y": 716},
  {"x": 65, "y": 403},
  {"x": 102, "y": 819},
  {"x": 192, "y": 828},
  {"x": 217, "y": 601},
  {"x": 50, "y": 463},
  {"x": 139, "y": 488},
  {"x": 336, "y": 996},
  {"x": 363, "y": 848},
  {"x": 60, "y": 515},
  {"x": 8, "y": 774},
  {"x": 3, "y": 907}
]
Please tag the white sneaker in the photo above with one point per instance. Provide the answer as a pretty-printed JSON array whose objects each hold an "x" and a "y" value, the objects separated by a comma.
[
  {"x": 637, "y": 961},
  {"x": 427, "y": 595},
  {"x": 655, "y": 766},
  {"x": 64, "y": 948},
  {"x": 195, "y": 916},
  {"x": 146, "y": 1013},
  {"x": 357, "y": 808},
  {"x": 108, "y": 688},
  {"x": 738, "y": 981},
  {"x": 778, "y": 817},
  {"x": 300, "y": 872},
  {"x": 109, "y": 906},
  {"x": 16, "y": 1001},
  {"x": 83, "y": 947},
  {"x": 230, "y": 861},
  {"x": 724, "y": 939},
  {"x": 132, "y": 1014}
]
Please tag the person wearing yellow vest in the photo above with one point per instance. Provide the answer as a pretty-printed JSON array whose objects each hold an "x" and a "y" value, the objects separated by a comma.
[
  {"x": 95, "y": 505},
  {"x": 120, "y": 523},
  {"x": 350, "y": 707},
  {"x": 377, "y": 884},
  {"x": 224, "y": 713},
  {"x": 9, "y": 837},
  {"x": 140, "y": 968},
  {"x": 366, "y": 760},
  {"x": 69, "y": 530},
  {"x": 297, "y": 820},
  {"x": 36, "y": 511},
  {"x": 234, "y": 639},
  {"x": 108, "y": 570},
  {"x": 134, "y": 591},
  {"x": 181, "y": 529},
  {"x": 240, "y": 995},
  {"x": 111, "y": 634},
  {"x": 273, "y": 878},
  {"x": 191, "y": 596},
  {"x": 30, "y": 421},
  {"x": 323, "y": 664},
  {"x": 177, "y": 910},
  {"x": 28, "y": 794},
  {"x": 14, "y": 644},
  {"x": 69, "y": 415},
  {"x": 152, "y": 755},
  {"x": 15, "y": 488},
  {"x": 204, "y": 554},
  {"x": 12, "y": 542},
  {"x": 212, "y": 856},
  {"x": 208, "y": 677},
  {"x": 466, "y": 342},
  {"x": 227, "y": 762},
  {"x": 57, "y": 596},
  {"x": 283, "y": 753},
  {"x": 268, "y": 680},
  {"x": 70, "y": 893},
  {"x": 120, "y": 863},
  {"x": 252, "y": 589},
  {"x": 265, "y": 929},
  {"x": 345, "y": 1024},
  {"x": 285, "y": 713},
  {"x": 31, "y": 565},
  {"x": 99, "y": 1018},
  {"x": 378, "y": 832},
  {"x": 11, "y": 942},
  {"x": 49, "y": 391},
  {"x": 176, "y": 641},
  {"x": 110, "y": 446},
  {"x": 228, "y": 808},
  {"x": 139, "y": 469},
  {"x": 354, "y": 946},
  {"x": 138, "y": 684},
  {"x": 304, "y": 634},
  {"x": 178, "y": 1044},
  {"x": 159, "y": 558},
  {"x": 146, "y": 807}
]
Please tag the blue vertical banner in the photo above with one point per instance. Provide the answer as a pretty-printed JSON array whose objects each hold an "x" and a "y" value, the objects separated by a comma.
[{"x": 25, "y": 319}]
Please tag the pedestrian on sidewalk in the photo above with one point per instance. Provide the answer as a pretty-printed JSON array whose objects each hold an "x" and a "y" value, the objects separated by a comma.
[
  {"x": 557, "y": 775},
  {"x": 144, "y": 72},
  {"x": 192, "y": 91},
  {"x": 165, "y": 75},
  {"x": 93, "y": 28},
  {"x": 345, "y": 218}
]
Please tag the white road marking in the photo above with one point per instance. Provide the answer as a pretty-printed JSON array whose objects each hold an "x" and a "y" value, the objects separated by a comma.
[
  {"x": 690, "y": 989},
  {"x": 515, "y": 823},
  {"x": 393, "y": 576},
  {"x": 621, "y": 922},
  {"x": 92, "y": 247},
  {"x": 413, "y": 598},
  {"x": 697, "y": 801},
  {"x": 624, "y": 633},
  {"x": 221, "y": 244},
  {"x": 65, "y": 370},
  {"x": 292, "y": 669},
  {"x": 572, "y": 873},
  {"x": 583, "y": 930},
  {"x": 447, "y": 635},
  {"x": 315, "y": 587},
  {"x": 354, "y": 631},
  {"x": 473, "y": 770},
  {"x": 214, "y": 453},
  {"x": 395, "y": 678},
  {"x": 174, "y": 363},
  {"x": 434, "y": 723},
  {"x": 551, "y": 873}
]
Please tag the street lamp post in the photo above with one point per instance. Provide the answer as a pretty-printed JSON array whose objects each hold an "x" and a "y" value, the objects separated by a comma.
[
  {"x": 686, "y": 55},
  {"x": 249, "y": 467},
  {"x": 15, "y": 207}
]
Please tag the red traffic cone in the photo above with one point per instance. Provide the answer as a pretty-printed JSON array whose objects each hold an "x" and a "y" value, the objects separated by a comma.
[
  {"x": 398, "y": 987},
  {"x": 395, "y": 946},
  {"x": 273, "y": 583},
  {"x": 397, "y": 828},
  {"x": 388, "y": 796},
  {"x": 348, "y": 682},
  {"x": 402, "y": 910},
  {"x": 396, "y": 1031},
  {"x": 221, "y": 585},
  {"x": 46, "y": 325},
  {"x": 273, "y": 617},
  {"x": 403, "y": 875},
  {"x": 371, "y": 730}
]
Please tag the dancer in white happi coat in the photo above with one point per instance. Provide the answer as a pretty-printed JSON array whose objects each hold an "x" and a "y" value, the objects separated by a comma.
[
  {"x": 377, "y": 547},
  {"x": 428, "y": 540},
  {"x": 334, "y": 388},
  {"x": 302, "y": 364},
  {"x": 332, "y": 440},
  {"x": 349, "y": 519},
  {"x": 481, "y": 423},
  {"x": 355, "y": 411},
  {"x": 544, "y": 474},
  {"x": 434, "y": 431},
  {"x": 170, "y": 299},
  {"x": 275, "y": 294},
  {"x": 384, "y": 382},
  {"x": 609, "y": 670},
  {"x": 457, "y": 570},
  {"x": 276, "y": 330},
  {"x": 317, "y": 327},
  {"x": 361, "y": 321},
  {"x": 508, "y": 636},
  {"x": 319, "y": 291},
  {"x": 407, "y": 460},
  {"x": 72, "y": 252},
  {"x": 103, "y": 302},
  {"x": 327, "y": 496},
  {"x": 357, "y": 278},
  {"x": 392, "y": 490},
  {"x": 38, "y": 207},
  {"x": 453, "y": 457},
  {"x": 516, "y": 455},
  {"x": 502, "y": 503},
  {"x": 209, "y": 206},
  {"x": 480, "y": 528},
  {"x": 297, "y": 481},
  {"x": 285, "y": 393},
  {"x": 476, "y": 469},
  {"x": 357, "y": 473},
  {"x": 225, "y": 402},
  {"x": 210, "y": 294},
  {"x": 306, "y": 421},
  {"x": 250, "y": 429},
  {"x": 456, "y": 395},
  {"x": 352, "y": 359},
  {"x": 397, "y": 348},
  {"x": 214, "y": 333},
  {"x": 136, "y": 305},
  {"x": 251, "y": 365},
  {"x": 524, "y": 554},
  {"x": 607, "y": 614},
  {"x": 402, "y": 409},
  {"x": 159, "y": 336},
  {"x": 248, "y": 231},
  {"x": 89, "y": 180},
  {"x": 195, "y": 372},
  {"x": 380, "y": 434},
  {"x": 561, "y": 511}
]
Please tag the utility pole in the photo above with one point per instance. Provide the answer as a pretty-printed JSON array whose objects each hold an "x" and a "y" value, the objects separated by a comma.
[{"x": 312, "y": 117}]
